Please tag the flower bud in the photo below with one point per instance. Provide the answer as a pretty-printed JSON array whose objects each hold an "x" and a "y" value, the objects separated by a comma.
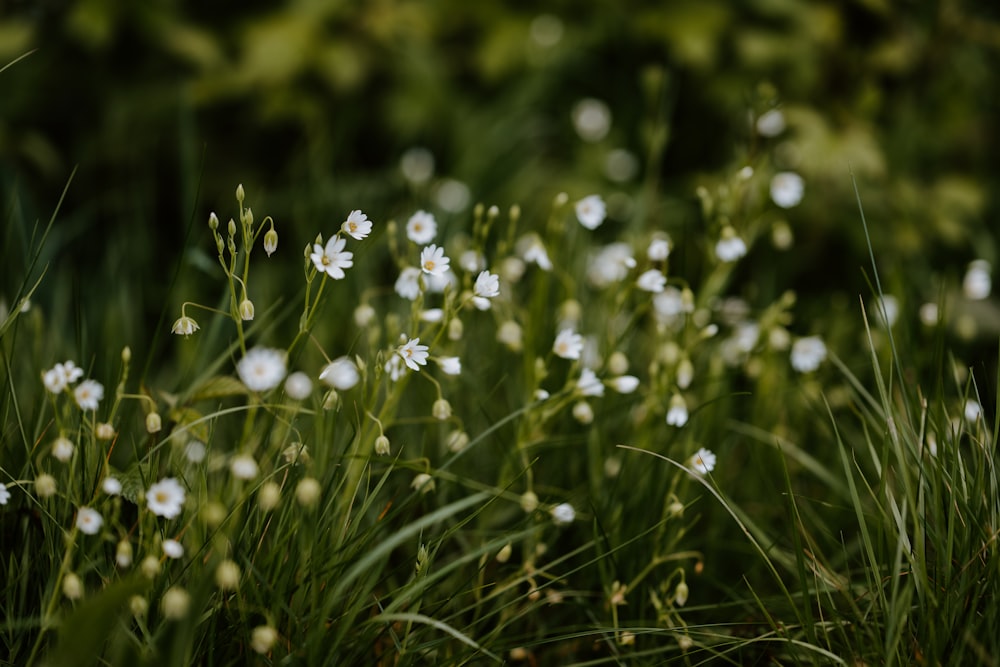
[
  {"x": 504, "y": 554},
  {"x": 263, "y": 638},
  {"x": 246, "y": 310},
  {"x": 45, "y": 485},
  {"x": 138, "y": 605},
  {"x": 123, "y": 554},
  {"x": 529, "y": 501},
  {"x": 150, "y": 566},
  {"x": 126, "y": 354},
  {"x": 213, "y": 221},
  {"x": 227, "y": 575},
  {"x": 270, "y": 241},
  {"x": 240, "y": 194},
  {"x": 104, "y": 431},
  {"x": 455, "y": 329},
  {"x": 153, "y": 422},
  {"x": 423, "y": 483},
  {"x": 232, "y": 228},
  {"x": 441, "y": 409},
  {"x": 681, "y": 594},
  {"x": 248, "y": 217},
  {"x": 72, "y": 586},
  {"x": 382, "y": 446},
  {"x": 307, "y": 492},
  {"x": 175, "y": 603},
  {"x": 269, "y": 496},
  {"x": 184, "y": 326}
]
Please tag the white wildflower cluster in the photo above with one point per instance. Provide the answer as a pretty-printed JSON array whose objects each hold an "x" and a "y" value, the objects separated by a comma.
[{"x": 59, "y": 378}]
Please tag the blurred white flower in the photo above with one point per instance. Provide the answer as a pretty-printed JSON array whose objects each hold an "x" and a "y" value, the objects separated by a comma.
[
  {"x": 787, "y": 189},
  {"x": 184, "y": 326},
  {"x": 509, "y": 333},
  {"x": 977, "y": 283},
  {"x": 452, "y": 196},
  {"x": 677, "y": 414},
  {"x": 659, "y": 249},
  {"x": 111, "y": 486},
  {"x": 589, "y": 384},
  {"x": 591, "y": 119},
  {"x": 702, "y": 461},
  {"x": 194, "y": 451},
  {"x": 590, "y": 211},
  {"x": 582, "y": 412},
  {"x": 808, "y": 353},
  {"x": 450, "y": 365},
  {"x": 262, "y": 369},
  {"x": 423, "y": 483},
  {"x": 165, "y": 498},
  {"x": 532, "y": 250},
  {"x": 610, "y": 265},
  {"x": 929, "y": 314},
  {"x": 563, "y": 514},
  {"x": 771, "y": 123},
  {"x": 413, "y": 354},
  {"x": 568, "y": 344},
  {"x": 652, "y": 280},
  {"x": 89, "y": 521},
  {"x": 341, "y": 373},
  {"x": 333, "y": 259},
  {"x": 63, "y": 448},
  {"x": 730, "y": 246},
  {"x": 243, "y": 466},
  {"x": 357, "y": 225},
  {"x": 408, "y": 283},
  {"x": 298, "y": 386},
  {"x": 88, "y": 394},
  {"x": 395, "y": 367},
  {"x": 472, "y": 261},
  {"x": 624, "y": 384},
  {"x": 364, "y": 314},
  {"x": 421, "y": 227},
  {"x": 886, "y": 310},
  {"x": 620, "y": 165},
  {"x": 431, "y": 315},
  {"x": 487, "y": 285},
  {"x": 60, "y": 376},
  {"x": 417, "y": 165},
  {"x": 173, "y": 549},
  {"x": 973, "y": 410}
]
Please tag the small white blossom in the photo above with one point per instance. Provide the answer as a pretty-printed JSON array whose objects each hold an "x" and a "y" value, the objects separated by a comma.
[
  {"x": 89, "y": 521},
  {"x": 568, "y": 344},
  {"x": 437, "y": 284},
  {"x": 472, "y": 261},
  {"x": 63, "y": 448},
  {"x": 929, "y": 314},
  {"x": 364, "y": 314},
  {"x": 583, "y": 413},
  {"x": 341, "y": 373},
  {"x": 243, "y": 466},
  {"x": 60, "y": 376},
  {"x": 973, "y": 410},
  {"x": 263, "y": 638},
  {"x": 610, "y": 265},
  {"x": 510, "y": 334},
  {"x": 413, "y": 354},
  {"x": 408, "y": 283},
  {"x": 563, "y": 514},
  {"x": 977, "y": 283},
  {"x": 195, "y": 451},
  {"x": 677, "y": 415},
  {"x": 357, "y": 225},
  {"x": 624, "y": 384},
  {"x": 433, "y": 260},
  {"x": 787, "y": 189},
  {"x": 589, "y": 384},
  {"x": 262, "y": 369},
  {"x": 395, "y": 367},
  {"x": 173, "y": 549},
  {"x": 431, "y": 315},
  {"x": 591, "y": 211},
  {"x": 184, "y": 326},
  {"x": 771, "y": 123},
  {"x": 808, "y": 353},
  {"x": 165, "y": 498},
  {"x": 423, "y": 483},
  {"x": 4, "y": 494},
  {"x": 450, "y": 365},
  {"x": 532, "y": 250},
  {"x": 702, "y": 461},
  {"x": 332, "y": 260},
  {"x": 730, "y": 247},
  {"x": 298, "y": 386},
  {"x": 421, "y": 227},
  {"x": 659, "y": 249},
  {"x": 88, "y": 394},
  {"x": 111, "y": 486},
  {"x": 487, "y": 285},
  {"x": 886, "y": 309},
  {"x": 652, "y": 280}
]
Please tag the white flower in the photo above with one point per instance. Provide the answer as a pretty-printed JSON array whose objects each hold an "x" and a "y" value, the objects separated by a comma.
[
  {"x": 431, "y": 315},
  {"x": 165, "y": 498},
  {"x": 341, "y": 373},
  {"x": 771, "y": 123},
  {"x": 977, "y": 283},
  {"x": 591, "y": 119},
  {"x": 4, "y": 494},
  {"x": 332, "y": 260},
  {"x": 890, "y": 305},
  {"x": 450, "y": 365},
  {"x": 421, "y": 227},
  {"x": 88, "y": 394},
  {"x": 624, "y": 384},
  {"x": 590, "y": 211},
  {"x": 929, "y": 314},
  {"x": 194, "y": 451},
  {"x": 787, "y": 189},
  {"x": 413, "y": 353},
  {"x": 89, "y": 521},
  {"x": 408, "y": 283},
  {"x": 677, "y": 415},
  {"x": 589, "y": 384},
  {"x": 243, "y": 466},
  {"x": 563, "y": 514},
  {"x": 423, "y": 483},
  {"x": 532, "y": 250},
  {"x": 510, "y": 334},
  {"x": 652, "y": 281},
  {"x": 184, "y": 326},
  {"x": 972, "y": 410},
  {"x": 808, "y": 353},
  {"x": 263, "y": 638},
  {"x": 57, "y": 378},
  {"x": 668, "y": 304},
  {"x": 730, "y": 247},
  {"x": 63, "y": 448},
  {"x": 437, "y": 284},
  {"x": 364, "y": 314},
  {"x": 610, "y": 265},
  {"x": 487, "y": 285},
  {"x": 433, "y": 261},
  {"x": 472, "y": 261},
  {"x": 270, "y": 241},
  {"x": 568, "y": 344},
  {"x": 111, "y": 486},
  {"x": 357, "y": 225},
  {"x": 395, "y": 367},
  {"x": 298, "y": 386},
  {"x": 702, "y": 461},
  {"x": 173, "y": 549},
  {"x": 583, "y": 413},
  {"x": 659, "y": 249},
  {"x": 262, "y": 369}
]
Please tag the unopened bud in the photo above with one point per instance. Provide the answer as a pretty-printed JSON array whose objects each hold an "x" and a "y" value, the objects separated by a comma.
[
  {"x": 248, "y": 217},
  {"x": 153, "y": 422},
  {"x": 213, "y": 221},
  {"x": 246, "y": 310},
  {"x": 270, "y": 241},
  {"x": 232, "y": 228},
  {"x": 126, "y": 354},
  {"x": 441, "y": 409},
  {"x": 239, "y": 193},
  {"x": 382, "y": 446}
]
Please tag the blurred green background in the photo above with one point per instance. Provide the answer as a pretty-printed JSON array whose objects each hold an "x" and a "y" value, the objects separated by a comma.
[{"x": 322, "y": 106}]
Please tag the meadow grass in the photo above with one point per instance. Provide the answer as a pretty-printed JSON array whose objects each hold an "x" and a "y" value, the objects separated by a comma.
[{"x": 525, "y": 439}]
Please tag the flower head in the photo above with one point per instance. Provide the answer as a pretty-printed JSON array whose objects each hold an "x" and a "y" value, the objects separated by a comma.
[
  {"x": 590, "y": 211},
  {"x": 88, "y": 394},
  {"x": 57, "y": 378},
  {"x": 89, "y": 521},
  {"x": 787, "y": 189},
  {"x": 341, "y": 373},
  {"x": 433, "y": 261},
  {"x": 184, "y": 326},
  {"x": 568, "y": 344},
  {"x": 243, "y": 466},
  {"x": 333, "y": 259},
  {"x": 173, "y": 549},
  {"x": 730, "y": 247},
  {"x": 702, "y": 461},
  {"x": 659, "y": 249},
  {"x": 533, "y": 250},
  {"x": 563, "y": 514},
  {"x": 270, "y": 241},
  {"x": 413, "y": 354},
  {"x": 977, "y": 283},
  {"x": 111, "y": 486},
  {"x": 421, "y": 227},
  {"x": 298, "y": 386},
  {"x": 610, "y": 265},
  {"x": 652, "y": 281},
  {"x": 63, "y": 448},
  {"x": 408, "y": 283},
  {"x": 808, "y": 353},
  {"x": 624, "y": 384},
  {"x": 165, "y": 498},
  {"x": 450, "y": 365},
  {"x": 262, "y": 369},
  {"x": 487, "y": 285},
  {"x": 589, "y": 384},
  {"x": 677, "y": 415},
  {"x": 357, "y": 225}
]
